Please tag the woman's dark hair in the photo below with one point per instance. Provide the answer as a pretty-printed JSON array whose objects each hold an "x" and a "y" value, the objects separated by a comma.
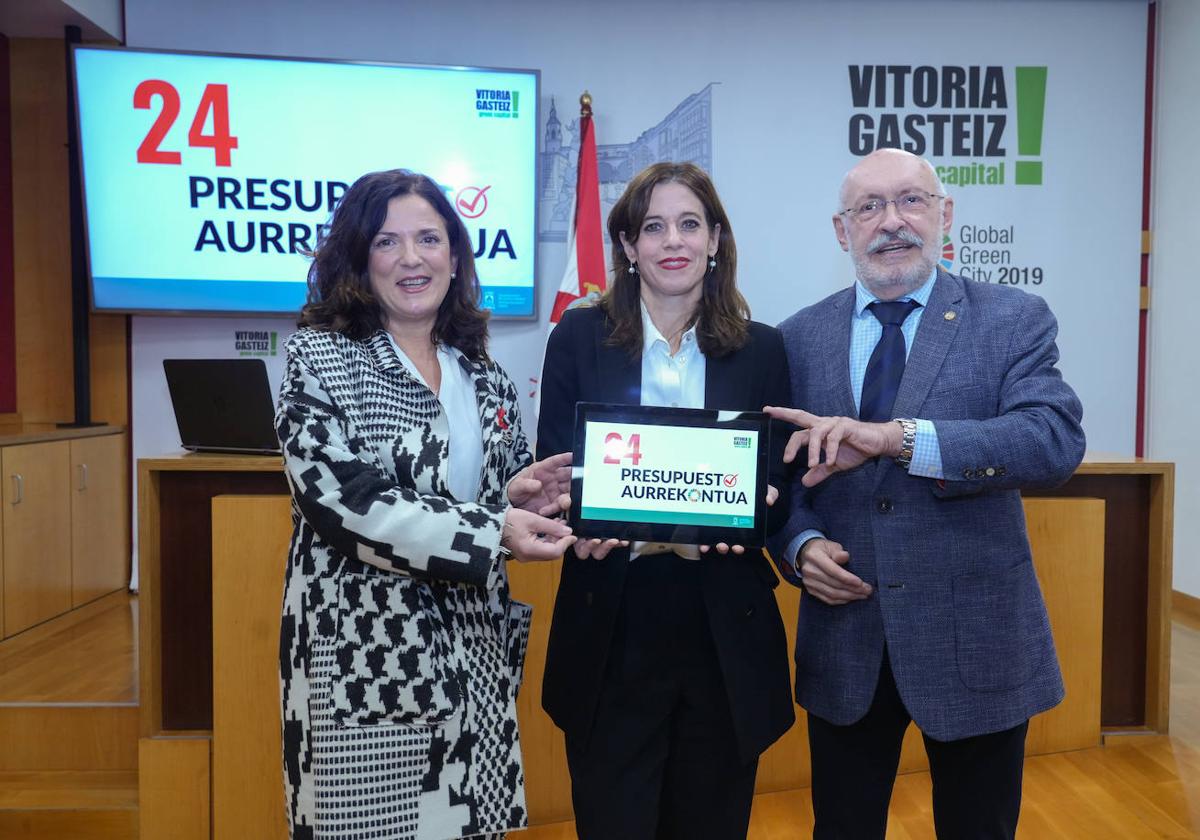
[
  {"x": 339, "y": 287},
  {"x": 722, "y": 315}
]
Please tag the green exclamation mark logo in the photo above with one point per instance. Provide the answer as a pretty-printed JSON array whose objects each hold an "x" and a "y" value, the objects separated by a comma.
[
  {"x": 516, "y": 99},
  {"x": 1031, "y": 113},
  {"x": 274, "y": 342}
]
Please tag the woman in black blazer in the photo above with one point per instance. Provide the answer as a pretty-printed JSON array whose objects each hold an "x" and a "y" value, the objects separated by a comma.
[{"x": 667, "y": 667}]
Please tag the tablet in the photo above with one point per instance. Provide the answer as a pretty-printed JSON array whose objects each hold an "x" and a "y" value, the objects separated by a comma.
[{"x": 677, "y": 475}]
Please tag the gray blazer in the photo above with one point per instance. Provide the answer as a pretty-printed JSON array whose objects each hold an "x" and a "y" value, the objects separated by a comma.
[{"x": 955, "y": 599}]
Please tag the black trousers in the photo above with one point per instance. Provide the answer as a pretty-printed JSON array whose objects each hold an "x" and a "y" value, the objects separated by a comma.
[
  {"x": 976, "y": 781},
  {"x": 661, "y": 762}
]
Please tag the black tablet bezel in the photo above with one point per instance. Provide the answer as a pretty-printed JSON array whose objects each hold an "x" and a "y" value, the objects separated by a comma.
[{"x": 669, "y": 532}]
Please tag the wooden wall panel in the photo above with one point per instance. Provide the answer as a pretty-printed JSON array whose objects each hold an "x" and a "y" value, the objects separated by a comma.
[
  {"x": 184, "y": 586},
  {"x": 150, "y": 688},
  {"x": 547, "y": 782},
  {"x": 41, "y": 230},
  {"x": 1067, "y": 536},
  {"x": 109, "y": 369},
  {"x": 1, "y": 561},
  {"x": 1160, "y": 566},
  {"x": 173, "y": 785},
  {"x": 785, "y": 765},
  {"x": 1126, "y": 589},
  {"x": 8, "y": 362},
  {"x": 41, "y": 256},
  {"x": 248, "y": 562}
]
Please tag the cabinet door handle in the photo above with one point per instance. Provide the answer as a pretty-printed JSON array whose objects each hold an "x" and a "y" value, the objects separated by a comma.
[
  {"x": 83, "y": 477},
  {"x": 18, "y": 488}
]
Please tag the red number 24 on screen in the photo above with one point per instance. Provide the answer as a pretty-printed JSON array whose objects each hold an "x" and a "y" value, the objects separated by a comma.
[
  {"x": 614, "y": 451},
  {"x": 214, "y": 100}
]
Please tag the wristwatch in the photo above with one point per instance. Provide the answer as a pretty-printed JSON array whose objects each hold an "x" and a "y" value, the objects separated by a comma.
[{"x": 909, "y": 428}]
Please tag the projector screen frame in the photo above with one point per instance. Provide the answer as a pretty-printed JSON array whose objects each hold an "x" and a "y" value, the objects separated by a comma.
[{"x": 73, "y": 80}]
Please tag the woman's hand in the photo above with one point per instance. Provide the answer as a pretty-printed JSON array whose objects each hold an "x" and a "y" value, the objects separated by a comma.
[
  {"x": 725, "y": 548},
  {"x": 539, "y": 488},
  {"x": 529, "y": 536},
  {"x": 596, "y": 549}
]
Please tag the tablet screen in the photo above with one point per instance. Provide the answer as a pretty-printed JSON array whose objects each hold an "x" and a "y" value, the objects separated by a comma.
[{"x": 678, "y": 475}]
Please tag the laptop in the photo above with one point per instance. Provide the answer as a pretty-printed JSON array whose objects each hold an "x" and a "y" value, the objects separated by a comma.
[{"x": 223, "y": 405}]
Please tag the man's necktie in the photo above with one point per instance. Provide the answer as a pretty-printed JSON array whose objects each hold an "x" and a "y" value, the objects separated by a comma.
[{"x": 886, "y": 365}]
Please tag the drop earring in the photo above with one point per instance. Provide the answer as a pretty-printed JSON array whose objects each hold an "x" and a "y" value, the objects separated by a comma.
[
  {"x": 712, "y": 262},
  {"x": 633, "y": 268}
]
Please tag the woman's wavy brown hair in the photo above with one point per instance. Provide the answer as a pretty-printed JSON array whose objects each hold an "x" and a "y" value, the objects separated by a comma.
[
  {"x": 722, "y": 315},
  {"x": 339, "y": 286}
]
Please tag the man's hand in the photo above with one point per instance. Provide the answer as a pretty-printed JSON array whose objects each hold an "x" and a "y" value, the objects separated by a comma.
[
  {"x": 846, "y": 442},
  {"x": 539, "y": 488},
  {"x": 532, "y": 537},
  {"x": 821, "y": 563}
]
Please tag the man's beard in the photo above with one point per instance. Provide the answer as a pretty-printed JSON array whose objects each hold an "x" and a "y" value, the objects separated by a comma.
[{"x": 879, "y": 279}]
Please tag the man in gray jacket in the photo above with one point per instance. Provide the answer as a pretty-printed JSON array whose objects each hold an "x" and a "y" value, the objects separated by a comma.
[{"x": 925, "y": 403}]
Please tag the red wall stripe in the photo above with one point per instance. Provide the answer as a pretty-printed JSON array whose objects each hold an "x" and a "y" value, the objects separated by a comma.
[
  {"x": 8, "y": 345},
  {"x": 1147, "y": 159}
]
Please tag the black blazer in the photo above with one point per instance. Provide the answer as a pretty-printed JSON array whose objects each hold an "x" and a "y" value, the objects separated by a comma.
[{"x": 746, "y": 627}]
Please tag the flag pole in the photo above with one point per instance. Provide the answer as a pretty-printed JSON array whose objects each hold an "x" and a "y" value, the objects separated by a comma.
[{"x": 584, "y": 275}]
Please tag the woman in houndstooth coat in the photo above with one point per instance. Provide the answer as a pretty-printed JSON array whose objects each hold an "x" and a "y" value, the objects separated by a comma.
[{"x": 401, "y": 649}]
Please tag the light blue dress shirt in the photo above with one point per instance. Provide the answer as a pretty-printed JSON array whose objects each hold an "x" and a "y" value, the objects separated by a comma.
[{"x": 865, "y": 332}]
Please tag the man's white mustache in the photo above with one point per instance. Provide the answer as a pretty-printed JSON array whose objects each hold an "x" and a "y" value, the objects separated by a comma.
[{"x": 884, "y": 239}]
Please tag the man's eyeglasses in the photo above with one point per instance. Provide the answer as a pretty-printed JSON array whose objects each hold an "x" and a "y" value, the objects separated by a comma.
[{"x": 909, "y": 204}]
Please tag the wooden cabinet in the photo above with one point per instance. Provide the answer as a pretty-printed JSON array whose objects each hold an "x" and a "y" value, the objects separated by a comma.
[
  {"x": 37, "y": 534},
  {"x": 64, "y": 523},
  {"x": 99, "y": 518}
]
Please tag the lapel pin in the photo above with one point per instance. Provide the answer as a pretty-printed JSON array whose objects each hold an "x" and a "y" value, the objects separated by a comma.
[
  {"x": 949, "y": 316},
  {"x": 506, "y": 432}
]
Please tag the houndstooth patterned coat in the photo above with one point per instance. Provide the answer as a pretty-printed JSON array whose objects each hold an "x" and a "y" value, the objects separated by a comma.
[{"x": 401, "y": 651}]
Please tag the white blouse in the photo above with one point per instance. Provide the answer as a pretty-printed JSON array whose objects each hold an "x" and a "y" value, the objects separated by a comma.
[{"x": 457, "y": 396}]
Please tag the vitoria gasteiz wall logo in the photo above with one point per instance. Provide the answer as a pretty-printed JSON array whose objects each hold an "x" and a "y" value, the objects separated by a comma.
[{"x": 979, "y": 124}]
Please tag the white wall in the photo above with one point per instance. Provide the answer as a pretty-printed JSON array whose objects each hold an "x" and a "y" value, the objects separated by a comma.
[
  {"x": 780, "y": 111},
  {"x": 106, "y": 14},
  {"x": 1173, "y": 405}
]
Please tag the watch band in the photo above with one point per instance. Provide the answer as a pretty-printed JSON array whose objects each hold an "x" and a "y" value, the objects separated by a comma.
[{"x": 909, "y": 428}]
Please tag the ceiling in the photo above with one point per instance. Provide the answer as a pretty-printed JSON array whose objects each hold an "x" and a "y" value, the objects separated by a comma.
[{"x": 47, "y": 19}]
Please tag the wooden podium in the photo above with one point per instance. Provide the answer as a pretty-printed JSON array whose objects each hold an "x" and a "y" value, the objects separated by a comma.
[{"x": 214, "y": 534}]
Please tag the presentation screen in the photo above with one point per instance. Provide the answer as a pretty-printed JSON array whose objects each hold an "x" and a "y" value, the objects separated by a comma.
[{"x": 207, "y": 177}]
